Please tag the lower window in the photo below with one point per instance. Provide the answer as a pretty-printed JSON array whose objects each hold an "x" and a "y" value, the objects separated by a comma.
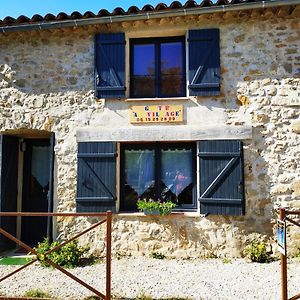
[{"x": 159, "y": 171}]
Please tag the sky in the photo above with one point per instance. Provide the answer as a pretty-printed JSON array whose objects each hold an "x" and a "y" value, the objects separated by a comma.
[{"x": 15, "y": 8}]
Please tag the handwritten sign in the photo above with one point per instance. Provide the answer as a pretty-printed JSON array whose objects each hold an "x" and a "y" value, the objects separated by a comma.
[{"x": 156, "y": 114}]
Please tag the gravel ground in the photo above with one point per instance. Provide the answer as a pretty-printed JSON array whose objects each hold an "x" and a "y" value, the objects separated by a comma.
[{"x": 133, "y": 277}]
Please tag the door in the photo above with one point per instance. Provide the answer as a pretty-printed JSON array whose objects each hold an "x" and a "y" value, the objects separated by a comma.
[
  {"x": 8, "y": 186},
  {"x": 37, "y": 189}
]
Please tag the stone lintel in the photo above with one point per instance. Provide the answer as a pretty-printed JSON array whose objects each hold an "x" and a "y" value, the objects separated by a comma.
[{"x": 163, "y": 133}]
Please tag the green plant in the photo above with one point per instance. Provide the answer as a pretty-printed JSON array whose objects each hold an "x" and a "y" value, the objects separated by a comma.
[
  {"x": 68, "y": 255},
  {"x": 162, "y": 207},
  {"x": 38, "y": 293},
  {"x": 143, "y": 296},
  {"x": 226, "y": 260},
  {"x": 257, "y": 252},
  {"x": 157, "y": 255}
]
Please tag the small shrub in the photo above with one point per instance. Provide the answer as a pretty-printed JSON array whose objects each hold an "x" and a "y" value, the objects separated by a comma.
[
  {"x": 257, "y": 252},
  {"x": 37, "y": 294},
  {"x": 67, "y": 256},
  {"x": 143, "y": 296},
  {"x": 226, "y": 260},
  {"x": 157, "y": 255}
]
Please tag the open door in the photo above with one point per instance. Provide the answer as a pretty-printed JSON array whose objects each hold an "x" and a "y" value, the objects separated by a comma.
[
  {"x": 9, "y": 150},
  {"x": 37, "y": 189}
]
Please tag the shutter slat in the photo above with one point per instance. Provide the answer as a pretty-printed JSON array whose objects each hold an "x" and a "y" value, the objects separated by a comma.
[
  {"x": 221, "y": 177},
  {"x": 204, "y": 62},
  {"x": 96, "y": 177},
  {"x": 110, "y": 65}
]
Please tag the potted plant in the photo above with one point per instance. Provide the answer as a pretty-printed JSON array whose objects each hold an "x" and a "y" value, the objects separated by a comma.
[{"x": 152, "y": 207}]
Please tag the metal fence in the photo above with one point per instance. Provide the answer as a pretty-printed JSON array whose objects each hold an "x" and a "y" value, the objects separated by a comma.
[
  {"x": 284, "y": 216},
  {"x": 44, "y": 257}
]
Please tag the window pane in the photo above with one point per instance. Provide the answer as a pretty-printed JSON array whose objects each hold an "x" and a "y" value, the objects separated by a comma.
[
  {"x": 171, "y": 69},
  {"x": 144, "y": 70},
  {"x": 177, "y": 176},
  {"x": 139, "y": 176}
]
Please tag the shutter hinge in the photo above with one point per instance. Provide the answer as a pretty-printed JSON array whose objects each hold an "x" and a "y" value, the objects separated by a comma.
[{"x": 97, "y": 79}]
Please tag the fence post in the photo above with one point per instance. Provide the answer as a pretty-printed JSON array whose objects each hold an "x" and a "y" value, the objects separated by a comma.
[
  {"x": 282, "y": 215},
  {"x": 108, "y": 255}
]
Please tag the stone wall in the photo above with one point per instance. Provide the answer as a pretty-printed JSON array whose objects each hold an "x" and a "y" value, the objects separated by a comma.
[{"x": 46, "y": 83}]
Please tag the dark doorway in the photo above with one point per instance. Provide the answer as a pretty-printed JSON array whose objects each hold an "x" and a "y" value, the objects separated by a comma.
[
  {"x": 36, "y": 189},
  {"x": 26, "y": 184}
]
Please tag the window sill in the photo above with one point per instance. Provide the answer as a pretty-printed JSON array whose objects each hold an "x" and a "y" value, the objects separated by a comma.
[
  {"x": 157, "y": 99},
  {"x": 172, "y": 215}
]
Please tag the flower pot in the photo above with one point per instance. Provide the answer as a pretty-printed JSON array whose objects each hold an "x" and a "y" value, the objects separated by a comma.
[{"x": 151, "y": 212}]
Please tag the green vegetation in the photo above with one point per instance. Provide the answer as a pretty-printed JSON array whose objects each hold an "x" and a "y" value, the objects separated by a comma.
[
  {"x": 68, "y": 256},
  {"x": 257, "y": 252},
  {"x": 163, "y": 208},
  {"x": 38, "y": 293},
  {"x": 226, "y": 260},
  {"x": 157, "y": 255}
]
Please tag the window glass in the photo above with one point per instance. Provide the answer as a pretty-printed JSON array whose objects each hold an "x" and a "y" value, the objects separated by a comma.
[
  {"x": 144, "y": 70},
  {"x": 171, "y": 69},
  {"x": 160, "y": 171},
  {"x": 177, "y": 175},
  {"x": 139, "y": 176},
  {"x": 157, "y": 67}
]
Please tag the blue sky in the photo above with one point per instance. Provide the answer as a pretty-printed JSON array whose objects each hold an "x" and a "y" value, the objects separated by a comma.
[{"x": 15, "y": 8}]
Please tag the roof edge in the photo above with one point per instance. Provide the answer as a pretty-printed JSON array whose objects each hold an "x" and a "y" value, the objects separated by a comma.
[{"x": 146, "y": 16}]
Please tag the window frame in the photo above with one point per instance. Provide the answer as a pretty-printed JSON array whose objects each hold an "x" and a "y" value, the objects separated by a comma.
[
  {"x": 157, "y": 55},
  {"x": 158, "y": 147}
]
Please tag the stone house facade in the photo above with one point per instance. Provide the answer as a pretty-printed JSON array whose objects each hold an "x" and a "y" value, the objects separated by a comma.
[{"x": 98, "y": 111}]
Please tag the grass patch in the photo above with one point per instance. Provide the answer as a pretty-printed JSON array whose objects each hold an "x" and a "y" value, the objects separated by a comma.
[
  {"x": 14, "y": 260},
  {"x": 38, "y": 293}
]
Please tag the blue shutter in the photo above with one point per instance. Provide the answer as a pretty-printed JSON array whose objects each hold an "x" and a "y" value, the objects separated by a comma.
[
  {"x": 110, "y": 65},
  {"x": 221, "y": 178},
  {"x": 9, "y": 147},
  {"x": 96, "y": 177},
  {"x": 204, "y": 62}
]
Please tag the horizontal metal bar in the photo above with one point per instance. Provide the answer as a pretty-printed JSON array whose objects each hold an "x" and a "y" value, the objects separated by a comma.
[
  {"x": 220, "y": 201},
  {"x": 44, "y": 214},
  {"x": 148, "y": 15},
  {"x": 292, "y": 212},
  {"x": 292, "y": 221}
]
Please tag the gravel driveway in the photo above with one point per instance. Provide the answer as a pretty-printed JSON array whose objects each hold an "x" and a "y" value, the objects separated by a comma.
[{"x": 133, "y": 277}]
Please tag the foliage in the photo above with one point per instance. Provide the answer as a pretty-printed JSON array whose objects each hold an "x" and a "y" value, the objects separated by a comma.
[
  {"x": 163, "y": 207},
  {"x": 257, "y": 252},
  {"x": 226, "y": 260},
  {"x": 298, "y": 254},
  {"x": 157, "y": 255},
  {"x": 68, "y": 255},
  {"x": 38, "y": 293},
  {"x": 143, "y": 296}
]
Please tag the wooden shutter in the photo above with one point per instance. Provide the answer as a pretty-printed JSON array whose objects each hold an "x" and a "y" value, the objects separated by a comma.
[
  {"x": 221, "y": 177},
  {"x": 204, "y": 62},
  {"x": 96, "y": 177},
  {"x": 8, "y": 186},
  {"x": 110, "y": 65}
]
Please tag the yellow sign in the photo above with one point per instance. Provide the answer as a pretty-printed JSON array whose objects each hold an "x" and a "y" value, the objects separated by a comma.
[{"x": 156, "y": 114}]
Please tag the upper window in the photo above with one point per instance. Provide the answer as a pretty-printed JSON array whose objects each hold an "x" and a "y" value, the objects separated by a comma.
[
  {"x": 157, "y": 67},
  {"x": 150, "y": 172}
]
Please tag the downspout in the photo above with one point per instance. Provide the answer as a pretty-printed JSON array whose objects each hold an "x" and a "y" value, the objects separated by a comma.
[{"x": 148, "y": 15}]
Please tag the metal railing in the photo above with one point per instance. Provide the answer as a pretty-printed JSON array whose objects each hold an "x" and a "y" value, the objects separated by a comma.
[
  {"x": 283, "y": 216},
  {"x": 43, "y": 257}
]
